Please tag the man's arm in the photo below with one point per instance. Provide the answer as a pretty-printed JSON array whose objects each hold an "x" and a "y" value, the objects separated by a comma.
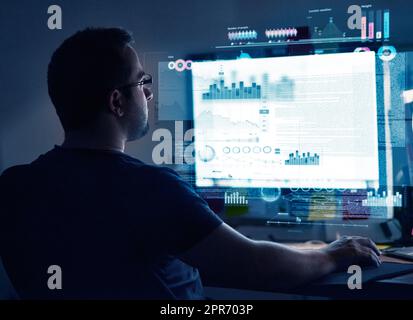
[{"x": 228, "y": 259}]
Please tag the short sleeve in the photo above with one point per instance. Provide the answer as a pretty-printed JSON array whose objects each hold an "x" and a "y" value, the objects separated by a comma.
[{"x": 182, "y": 216}]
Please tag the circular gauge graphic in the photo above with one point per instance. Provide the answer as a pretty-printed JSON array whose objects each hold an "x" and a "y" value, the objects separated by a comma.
[
  {"x": 236, "y": 150},
  {"x": 171, "y": 65},
  {"x": 362, "y": 49},
  {"x": 206, "y": 153},
  {"x": 246, "y": 150},
  {"x": 256, "y": 150},
  {"x": 188, "y": 65},
  {"x": 180, "y": 65},
  {"x": 226, "y": 150},
  {"x": 267, "y": 149},
  {"x": 270, "y": 194},
  {"x": 387, "y": 53}
]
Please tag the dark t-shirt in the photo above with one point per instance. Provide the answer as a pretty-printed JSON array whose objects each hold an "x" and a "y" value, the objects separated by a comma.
[{"x": 113, "y": 224}]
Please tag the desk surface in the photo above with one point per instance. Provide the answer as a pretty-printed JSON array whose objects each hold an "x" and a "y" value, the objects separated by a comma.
[
  {"x": 311, "y": 245},
  {"x": 405, "y": 280},
  {"x": 400, "y": 287}
]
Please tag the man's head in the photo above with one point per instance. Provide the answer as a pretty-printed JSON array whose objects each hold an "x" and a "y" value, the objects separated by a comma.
[{"x": 96, "y": 74}]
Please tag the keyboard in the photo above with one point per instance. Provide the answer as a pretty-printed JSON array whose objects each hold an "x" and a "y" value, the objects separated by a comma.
[{"x": 401, "y": 253}]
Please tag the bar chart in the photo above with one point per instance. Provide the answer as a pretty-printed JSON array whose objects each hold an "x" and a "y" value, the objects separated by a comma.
[
  {"x": 242, "y": 35},
  {"x": 281, "y": 33},
  {"x": 303, "y": 160},
  {"x": 383, "y": 200},
  {"x": 235, "y": 199},
  {"x": 375, "y": 25},
  {"x": 222, "y": 92}
]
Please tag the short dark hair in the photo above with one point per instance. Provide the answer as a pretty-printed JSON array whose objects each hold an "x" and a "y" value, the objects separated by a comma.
[{"x": 83, "y": 70}]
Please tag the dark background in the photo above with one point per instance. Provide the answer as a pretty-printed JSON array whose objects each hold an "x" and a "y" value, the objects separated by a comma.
[{"x": 28, "y": 123}]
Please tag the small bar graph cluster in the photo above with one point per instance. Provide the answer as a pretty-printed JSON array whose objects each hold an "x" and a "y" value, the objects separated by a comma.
[
  {"x": 375, "y": 24},
  {"x": 303, "y": 160},
  {"x": 382, "y": 200},
  {"x": 222, "y": 92},
  {"x": 281, "y": 33},
  {"x": 235, "y": 199},
  {"x": 242, "y": 35}
]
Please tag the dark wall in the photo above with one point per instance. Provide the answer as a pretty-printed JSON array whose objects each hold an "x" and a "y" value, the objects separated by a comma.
[{"x": 28, "y": 123}]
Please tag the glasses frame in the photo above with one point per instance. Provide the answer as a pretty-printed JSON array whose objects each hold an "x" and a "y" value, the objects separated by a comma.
[{"x": 137, "y": 83}]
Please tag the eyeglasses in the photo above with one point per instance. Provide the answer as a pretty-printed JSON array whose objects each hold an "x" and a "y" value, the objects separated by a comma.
[{"x": 146, "y": 83}]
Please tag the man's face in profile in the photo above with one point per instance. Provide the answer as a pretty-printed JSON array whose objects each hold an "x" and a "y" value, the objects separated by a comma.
[{"x": 135, "y": 120}]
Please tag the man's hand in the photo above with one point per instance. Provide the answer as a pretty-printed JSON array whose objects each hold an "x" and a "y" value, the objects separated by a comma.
[
  {"x": 228, "y": 259},
  {"x": 352, "y": 250}
]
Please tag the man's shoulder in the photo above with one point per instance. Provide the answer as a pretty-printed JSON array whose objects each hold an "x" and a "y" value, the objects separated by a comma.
[
  {"x": 12, "y": 180},
  {"x": 22, "y": 170},
  {"x": 126, "y": 166},
  {"x": 156, "y": 177},
  {"x": 132, "y": 162},
  {"x": 14, "y": 171},
  {"x": 157, "y": 172}
]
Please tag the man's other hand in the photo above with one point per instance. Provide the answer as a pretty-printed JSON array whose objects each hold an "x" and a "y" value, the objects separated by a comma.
[{"x": 352, "y": 250}]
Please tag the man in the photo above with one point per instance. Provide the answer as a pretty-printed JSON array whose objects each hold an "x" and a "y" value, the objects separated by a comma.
[{"x": 116, "y": 227}]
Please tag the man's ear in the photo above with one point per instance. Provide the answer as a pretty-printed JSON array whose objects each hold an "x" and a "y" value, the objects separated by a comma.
[{"x": 116, "y": 103}]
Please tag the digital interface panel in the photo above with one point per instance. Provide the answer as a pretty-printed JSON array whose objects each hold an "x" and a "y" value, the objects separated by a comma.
[{"x": 300, "y": 121}]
